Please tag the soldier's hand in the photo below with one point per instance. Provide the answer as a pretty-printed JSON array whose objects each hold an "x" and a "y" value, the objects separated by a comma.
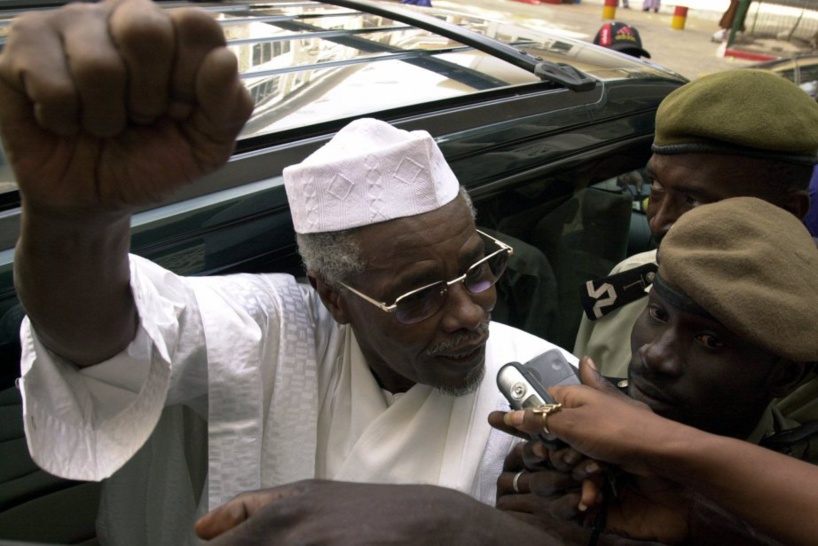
[{"x": 114, "y": 105}]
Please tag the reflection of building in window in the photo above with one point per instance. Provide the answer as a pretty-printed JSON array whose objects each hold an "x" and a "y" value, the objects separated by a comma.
[
  {"x": 301, "y": 68},
  {"x": 270, "y": 55},
  {"x": 264, "y": 52},
  {"x": 263, "y": 90},
  {"x": 7, "y": 181}
]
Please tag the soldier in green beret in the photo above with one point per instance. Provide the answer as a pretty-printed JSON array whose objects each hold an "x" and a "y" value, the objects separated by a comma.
[
  {"x": 734, "y": 133},
  {"x": 729, "y": 326},
  {"x": 730, "y": 321}
]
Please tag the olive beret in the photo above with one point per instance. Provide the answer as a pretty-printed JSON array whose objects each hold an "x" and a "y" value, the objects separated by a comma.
[
  {"x": 753, "y": 267},
  {"x": 741, "y": 112}
]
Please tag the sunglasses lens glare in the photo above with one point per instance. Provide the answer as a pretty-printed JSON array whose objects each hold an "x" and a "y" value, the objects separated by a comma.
[
  {"x": 422, "y": 304},
  {"x": 483, "y": 276}
]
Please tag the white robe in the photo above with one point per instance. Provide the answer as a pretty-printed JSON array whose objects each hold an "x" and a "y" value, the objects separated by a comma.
[{"x": 285, "y": 389}]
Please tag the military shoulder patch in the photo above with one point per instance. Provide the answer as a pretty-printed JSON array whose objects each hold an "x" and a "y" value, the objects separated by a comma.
[{"x": 601, "y": 296}]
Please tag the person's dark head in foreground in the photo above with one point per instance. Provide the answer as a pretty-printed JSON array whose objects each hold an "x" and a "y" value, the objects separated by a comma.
[
  {"x": 382, "y": 224},
  {"x": 621, "y": 37},
  {"x": 732, "y": 316},
  {"x": 734, "y": 133}
]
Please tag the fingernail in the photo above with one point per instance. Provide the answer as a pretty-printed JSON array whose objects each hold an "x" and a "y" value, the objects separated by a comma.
[
  {"x": 539, "y": 449},
  {"x": 592, "y": 468},
  {"x": 581, "y": 507},
  {"x": 514, "y": 418},
  {"x": 572, "y": 458}
]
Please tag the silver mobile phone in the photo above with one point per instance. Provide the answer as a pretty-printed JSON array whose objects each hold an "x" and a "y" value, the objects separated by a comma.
[{"x": 524, "y": 385}]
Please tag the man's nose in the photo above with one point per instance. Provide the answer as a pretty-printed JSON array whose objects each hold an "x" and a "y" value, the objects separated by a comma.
[
  {"x": 665, "y": 214},
  {"x": 661, "y": 354},
  {"x": 464, "y": 310}
]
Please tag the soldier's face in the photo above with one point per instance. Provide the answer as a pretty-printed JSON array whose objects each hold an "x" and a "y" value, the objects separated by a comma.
[
  {"x": 681, "y": 182},
  {"x": 690, "y": 368}
]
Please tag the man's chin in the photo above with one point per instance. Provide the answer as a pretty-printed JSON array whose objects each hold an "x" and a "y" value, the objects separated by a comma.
[{"x": 470, "y": 383}]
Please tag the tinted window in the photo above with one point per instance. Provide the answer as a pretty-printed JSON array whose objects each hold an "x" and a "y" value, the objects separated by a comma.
[{"x": 308, "y": 64}]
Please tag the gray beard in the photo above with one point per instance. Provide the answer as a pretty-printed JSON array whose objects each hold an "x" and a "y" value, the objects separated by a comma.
[
  {"x": 475, "y": 378},
  {"x": 473, "y": 382}
]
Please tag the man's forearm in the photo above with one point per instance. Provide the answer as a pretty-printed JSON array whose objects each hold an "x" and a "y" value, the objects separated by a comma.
[
  {"x": 72, "y": 277},
  {"x": 768, "y": 490}
]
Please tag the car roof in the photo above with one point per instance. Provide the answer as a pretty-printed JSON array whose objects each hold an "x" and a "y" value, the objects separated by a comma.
[
  {"x": 411, "y": 55},
  {"x": 306, "y": 62},
  {"x": 313, "y": 66}
]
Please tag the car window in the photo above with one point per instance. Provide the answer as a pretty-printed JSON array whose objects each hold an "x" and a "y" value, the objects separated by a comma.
[
  {"x": 809, "y": 73},
  {"x": 312, "y": 63},
  {"x": 788, "y": 74},
  {"x": 566, "y": 229},
  {"x": 7, "y": 183}
]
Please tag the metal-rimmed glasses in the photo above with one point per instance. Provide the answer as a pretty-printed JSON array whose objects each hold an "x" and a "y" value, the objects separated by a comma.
[{"x": 421, "y": 303}]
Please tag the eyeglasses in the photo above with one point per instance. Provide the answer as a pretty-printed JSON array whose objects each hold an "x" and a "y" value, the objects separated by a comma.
[{"x": 421, "y": 303}]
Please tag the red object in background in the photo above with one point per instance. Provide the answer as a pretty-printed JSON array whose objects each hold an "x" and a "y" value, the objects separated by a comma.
[{"x": 679, "y": 18}]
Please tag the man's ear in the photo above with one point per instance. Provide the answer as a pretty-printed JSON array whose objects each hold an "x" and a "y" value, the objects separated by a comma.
[
  {"x": 330, "y": 297},
  {"x": 786, "y": 375}
]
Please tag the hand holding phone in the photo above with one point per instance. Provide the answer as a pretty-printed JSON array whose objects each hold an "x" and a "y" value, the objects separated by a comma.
[{"x": 525, "y": 385}]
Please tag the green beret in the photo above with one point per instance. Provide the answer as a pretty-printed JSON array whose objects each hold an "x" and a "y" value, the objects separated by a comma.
[
  {"x": 741, "y": 112},
  {"x": 753, "y": 267}
]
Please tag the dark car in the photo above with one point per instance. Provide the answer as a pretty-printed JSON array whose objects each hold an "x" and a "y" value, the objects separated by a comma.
[
  {"x": 801, "y": 69},
  {"x": 547, "y": 133}
]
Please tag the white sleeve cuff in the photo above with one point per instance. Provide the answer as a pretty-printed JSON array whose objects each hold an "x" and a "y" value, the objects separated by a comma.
[{"x": 86, "y": 423}]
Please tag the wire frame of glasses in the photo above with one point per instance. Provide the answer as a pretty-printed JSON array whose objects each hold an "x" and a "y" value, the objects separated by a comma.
[{"x": 421, "y": 303}]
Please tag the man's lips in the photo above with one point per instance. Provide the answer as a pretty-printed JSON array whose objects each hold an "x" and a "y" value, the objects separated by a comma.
[
  {"x": 464, "y": 352},
  {"x": 649, "y": 393}
]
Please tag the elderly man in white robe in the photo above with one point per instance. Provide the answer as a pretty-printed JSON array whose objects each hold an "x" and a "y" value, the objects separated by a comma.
[{"x": 381, "y": 369}]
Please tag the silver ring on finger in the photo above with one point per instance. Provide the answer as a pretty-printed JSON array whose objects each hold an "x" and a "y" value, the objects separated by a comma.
[{"x": 515, "y": 483}]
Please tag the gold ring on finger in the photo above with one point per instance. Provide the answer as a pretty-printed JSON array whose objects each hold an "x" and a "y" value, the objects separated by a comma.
[{"x": 545, "y": 410}]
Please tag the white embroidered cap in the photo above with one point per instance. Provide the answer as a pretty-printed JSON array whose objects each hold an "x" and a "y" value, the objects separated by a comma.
[{"x": 369, "y": 172}]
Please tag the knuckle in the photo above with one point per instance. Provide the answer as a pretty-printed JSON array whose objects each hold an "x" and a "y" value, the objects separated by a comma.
[
  {"x": 24, "y": 25},
  {"x": 53, "y": 99},
  {"x": 98, "y": 69},
  {"x": 22, "y": 38},
  {"x": 200, "y": 26},
  {"x": 146, "y": 36}
]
